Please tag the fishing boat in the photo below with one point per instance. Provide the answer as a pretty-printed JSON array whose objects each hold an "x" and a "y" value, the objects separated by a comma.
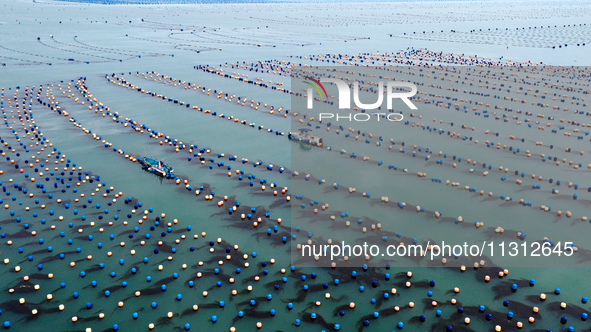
[
  {"x": 304, "y": 136},
  {"x": 157, "y": 167}
]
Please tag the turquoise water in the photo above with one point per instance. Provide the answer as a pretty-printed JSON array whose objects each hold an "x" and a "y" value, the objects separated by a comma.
[{"x": 237, "y": 33}]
